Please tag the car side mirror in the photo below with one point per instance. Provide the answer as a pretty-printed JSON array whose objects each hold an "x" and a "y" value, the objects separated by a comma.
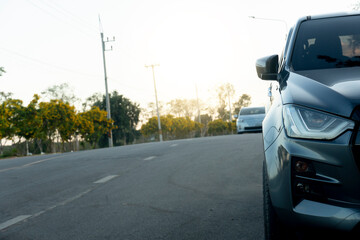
[
  {"x": 267, "y": 67},
  {"x": 235, "y": 116}
]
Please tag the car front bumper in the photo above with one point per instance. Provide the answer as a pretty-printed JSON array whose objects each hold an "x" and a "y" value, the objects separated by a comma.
[
  {"x": 333, "y": 200},
  {"x": 245, "y": 127}
]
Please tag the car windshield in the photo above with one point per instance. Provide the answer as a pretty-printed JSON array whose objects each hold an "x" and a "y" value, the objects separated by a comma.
[
  {"x": 251, "y": 111},
  {"x": 327, "y": 43}
]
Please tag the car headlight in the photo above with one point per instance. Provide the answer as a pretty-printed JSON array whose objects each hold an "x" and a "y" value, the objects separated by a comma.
[{"x": 302, "y": 122}]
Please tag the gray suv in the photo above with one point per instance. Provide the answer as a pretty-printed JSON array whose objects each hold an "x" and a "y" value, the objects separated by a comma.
[{"x": 311, "y": 135}]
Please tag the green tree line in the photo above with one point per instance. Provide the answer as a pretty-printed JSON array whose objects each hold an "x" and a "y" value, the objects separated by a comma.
[
  {"x": 45, "y": 123},
  {"x": 50, "y": 122}
]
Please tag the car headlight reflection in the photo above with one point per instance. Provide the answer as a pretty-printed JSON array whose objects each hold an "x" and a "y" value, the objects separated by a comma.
[{"x": 307, "y": 123}]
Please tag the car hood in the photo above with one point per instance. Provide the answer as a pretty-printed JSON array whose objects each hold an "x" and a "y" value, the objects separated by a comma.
[{"x": 331, "y": 90}]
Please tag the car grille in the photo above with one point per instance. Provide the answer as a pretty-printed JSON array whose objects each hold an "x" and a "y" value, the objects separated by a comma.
[
  {"x": 253, "y": 128},
  {"x": 254, "y": 122}
]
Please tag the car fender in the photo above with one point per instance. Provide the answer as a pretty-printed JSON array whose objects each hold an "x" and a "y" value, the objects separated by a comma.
[{"x": 272, "y": 124}]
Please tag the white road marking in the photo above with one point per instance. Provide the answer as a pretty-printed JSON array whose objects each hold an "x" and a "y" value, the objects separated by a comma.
[
  {"x": 13, "y": 221},
  {"x": 66, "y": 201},
  {"x": 149, "y": 158},
  {"x": 40, "y": 161},
  {"x": 28, "y": 164},
  {"x": 174, "y": 145},
  {"x": 105, "y": 179}
]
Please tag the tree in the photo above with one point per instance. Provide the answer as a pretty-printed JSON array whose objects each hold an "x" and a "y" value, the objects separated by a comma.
[
  {"x": 59, "y": 120},
  {"x": 177, "y": 107},
  {"x": 244, "y": 101},
  {"x": 28, "y": 121},
  {"x": 90, "y": 101},
  {"x": 67, "y": 124},
  {"x": 217, "y": 127},
  {"x": 151, "y": 127},
  {"x": 183, "y": 107},
  {"x": 151, "y": 111},
  {"x": 225, "y": 93},
  {"x": 205, "y": 120},
  {"x": 93, "y": 124},
  {"x": 2, "y": 70},
  {"x": 8, "y": 113},
  {"x": 172, "y": 127},
  {"x": 62, "y": 92},
  {"x": 125, "y": 115},
  {"x": 5, "y": 96},
  {"x": 183, "y": 127}
]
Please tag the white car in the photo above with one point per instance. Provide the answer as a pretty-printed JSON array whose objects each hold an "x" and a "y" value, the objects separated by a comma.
[{"x": 250, "y": 119}]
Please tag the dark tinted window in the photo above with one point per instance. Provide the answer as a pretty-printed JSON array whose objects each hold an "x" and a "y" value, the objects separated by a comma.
[
  {"x": 327, "y": 43},
  {"x": 250, "y": 111}
]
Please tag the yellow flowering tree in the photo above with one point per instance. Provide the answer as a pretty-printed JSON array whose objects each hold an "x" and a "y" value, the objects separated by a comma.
[
  {"x": 172, "y": 127},
  {"x": 151, "y": 127},
  {"x": 8, "y": 114},
  {"x": 92, "y": 124},
  {"x": 59, "y": 120},
  {"x": 28, "y": 121},
  {"x": 217, "y": 127},
  {"x": 183, "y": 127}
]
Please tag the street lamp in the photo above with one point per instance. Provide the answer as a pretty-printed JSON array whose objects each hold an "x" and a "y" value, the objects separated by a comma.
[
  {"x": 273, "y": 19},
  {"x": 286, "y": 30}
]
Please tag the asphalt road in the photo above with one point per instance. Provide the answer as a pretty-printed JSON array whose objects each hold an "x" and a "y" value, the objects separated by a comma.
[{"x": 205, "y": 188}]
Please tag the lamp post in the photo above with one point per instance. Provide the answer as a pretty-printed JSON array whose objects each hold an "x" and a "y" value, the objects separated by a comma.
[
  {"x": 272, "y": 19},
  {"x": 286, "y": 30}
]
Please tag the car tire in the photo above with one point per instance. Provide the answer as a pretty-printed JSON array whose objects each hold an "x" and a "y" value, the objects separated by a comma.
[{"x": 274, "y": 229}]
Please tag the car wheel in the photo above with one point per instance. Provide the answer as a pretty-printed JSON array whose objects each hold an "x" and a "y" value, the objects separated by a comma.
[{"x": 274, "y": 229}]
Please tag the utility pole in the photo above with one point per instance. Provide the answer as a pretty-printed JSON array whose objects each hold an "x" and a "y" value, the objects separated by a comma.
[
  {"x": 157, "y": 105},
  {"x": 198, "y": 105},
  {"x": 230, "y": 117},
  {"x": 110, "y": 138}
]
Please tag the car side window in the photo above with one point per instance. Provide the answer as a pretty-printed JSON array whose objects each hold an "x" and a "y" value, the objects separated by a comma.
[
  {"x": 350, "y": 45},
  {"x": 319, "y": 45}
]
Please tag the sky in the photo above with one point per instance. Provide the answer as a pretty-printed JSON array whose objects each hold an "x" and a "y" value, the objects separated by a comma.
[{"x": 202, "y": 43}]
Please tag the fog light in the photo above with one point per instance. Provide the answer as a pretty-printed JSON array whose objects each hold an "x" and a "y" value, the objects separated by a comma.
[
  {"x": 303, "y": 188},
  {"x": 302, "y": 167},
  {"x": 300, "y": 187}
]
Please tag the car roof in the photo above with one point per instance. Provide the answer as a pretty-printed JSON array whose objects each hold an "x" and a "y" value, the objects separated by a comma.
[{"x": 331, "y": 15}]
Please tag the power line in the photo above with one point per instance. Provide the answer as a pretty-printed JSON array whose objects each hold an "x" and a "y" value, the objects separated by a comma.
[
  {"x": 65, "y": 12},
  {"x": 79, "y": 29},
  {"x": 48, "y": 64},
  {"x": 37, "y": 61}
]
